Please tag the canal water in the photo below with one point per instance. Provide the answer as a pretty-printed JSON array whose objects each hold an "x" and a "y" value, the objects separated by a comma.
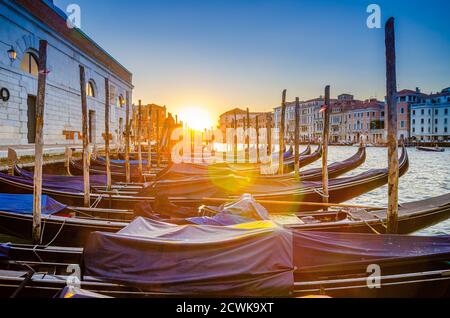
[{"x": 428, "y": 176}]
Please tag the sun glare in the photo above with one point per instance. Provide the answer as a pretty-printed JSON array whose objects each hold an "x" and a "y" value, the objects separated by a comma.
[{"x": 197, "y": 118}]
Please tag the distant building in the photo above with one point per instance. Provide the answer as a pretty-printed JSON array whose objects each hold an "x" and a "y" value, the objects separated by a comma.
[
  {"x": 405, "y": 98},
  {"x": 226, "y": 120},
  {"x": 430, "y": 117},
  {"x": 158, "y": 116},
  {"x": 22, "y": 24}
]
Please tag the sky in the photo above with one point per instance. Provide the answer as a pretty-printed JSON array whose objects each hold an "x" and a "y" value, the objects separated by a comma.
[{"x": 214, "y": 55}]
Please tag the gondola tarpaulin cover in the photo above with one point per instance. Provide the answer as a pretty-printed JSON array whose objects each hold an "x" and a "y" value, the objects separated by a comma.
[
  {"x": 23, "y": 204},
  {"x": 4, "y": 251},
  {"x": 253, "y": 259}
]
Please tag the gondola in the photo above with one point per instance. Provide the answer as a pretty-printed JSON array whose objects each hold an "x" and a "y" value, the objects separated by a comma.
[
  {"x": 430, "y": 149},
  {"x": 71, "y": 226},
  {"x": 340, "y": 190},
  {"x": 295, "y": 264},
  {"x": 98, "y": 182},
  {"x": 184, "y": 171}
]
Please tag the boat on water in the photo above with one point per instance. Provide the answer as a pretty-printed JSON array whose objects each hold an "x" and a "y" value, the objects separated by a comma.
[
  {"x": 258, "y": 259},
  {"x": 71, "y": 226},
  {"x": 431, "y": 149},
  {"x": 340, "y": 190}
]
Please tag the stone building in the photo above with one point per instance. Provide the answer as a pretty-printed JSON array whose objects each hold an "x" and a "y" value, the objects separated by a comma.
[
  {"x": 430, "y": 117},
  {"x": 22, "y": 24},
  {"x": 226, "y": 120}
]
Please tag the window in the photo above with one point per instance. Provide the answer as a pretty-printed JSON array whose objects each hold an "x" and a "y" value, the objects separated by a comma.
[
  {"x": 414, "y": 121},
  {"x": 445, "y": 121},
  {"x": 422, "y": 121},
  {"x": 402, "y": 110},
  {"x": 414, "y": 113},
  {"x": 436, "y": 111},
  {"x": 436, "y": 121},
  {"x": 422, "y": 129},
  {"x": 402, "y": 124},
  {"x": 445, "y": 129},
  {"x": 120, "y": 101},
  {"x": 414, "y": 130},
  {"x": 423, "y": 111},
  {"x": 435, "y": 130},
  {"x": 446, "y": 111},
  {"x": 29, "y": 64},
  {"x": 91, "y": 88}
]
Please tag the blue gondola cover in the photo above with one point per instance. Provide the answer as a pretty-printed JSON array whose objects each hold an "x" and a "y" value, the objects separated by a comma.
[
  {"x": 23, "y": 204},
  {"x": 253, "y": 259},
  {"x": 4, "y": 251}
]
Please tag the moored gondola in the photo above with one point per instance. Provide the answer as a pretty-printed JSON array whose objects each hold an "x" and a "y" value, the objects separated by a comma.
[{"x": 341, "y": 190}]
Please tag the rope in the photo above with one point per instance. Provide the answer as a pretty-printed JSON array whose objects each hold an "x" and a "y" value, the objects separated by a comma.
[{"x": 320, "y": 192}]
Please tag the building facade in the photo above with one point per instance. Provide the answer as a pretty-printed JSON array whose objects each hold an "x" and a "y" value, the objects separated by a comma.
[
  {"x": 430, "y": 117},
  {"x": 227, "y": 120},
  {"x": 22, "y": 24}
]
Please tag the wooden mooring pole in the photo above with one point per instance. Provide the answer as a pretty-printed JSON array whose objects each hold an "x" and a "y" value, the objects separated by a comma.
[
  {"x": 269, "y": 135},
  {"x": 67, "y": 158},
  {"x": 258, "y": 157},
  {"x": 127, "y": 140},
  {"x": 247, "y": 153},
  {"x": 158, "y": 145},
  {"x": 326, "y": 133},
  {"x": 391, "y": 85},
  {"x": 150, "y": 136},
  {"x": 297, "y": 138},
  {"x": 12, "y": 160},
  {"x": 39, "y": 143},
  {"x": 107, "y": 154},
  {"x": 139, "y": 140},
  {"x": 282, "y": 134},
  {"x": 235, "y": 138},
  {"x": 86, "y": 159}
]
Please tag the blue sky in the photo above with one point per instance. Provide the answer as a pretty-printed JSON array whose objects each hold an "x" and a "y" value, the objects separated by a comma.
[{"x": 219, "y": 54}]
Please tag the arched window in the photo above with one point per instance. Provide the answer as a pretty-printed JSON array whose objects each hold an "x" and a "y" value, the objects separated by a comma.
[
  {"x": 91, "y": 88},
  {"x": 29, "y": 64},
  {"x": 120, "y": 101}
]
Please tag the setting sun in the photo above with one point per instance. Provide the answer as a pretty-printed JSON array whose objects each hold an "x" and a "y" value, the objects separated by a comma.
[{"x": 197, "y": 118}]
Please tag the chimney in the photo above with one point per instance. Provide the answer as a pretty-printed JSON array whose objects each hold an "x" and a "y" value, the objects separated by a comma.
[{"x": 417, "y": 90}]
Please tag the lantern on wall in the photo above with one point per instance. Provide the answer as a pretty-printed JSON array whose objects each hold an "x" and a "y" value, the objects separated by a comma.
[{"x": 12, "y": 54}]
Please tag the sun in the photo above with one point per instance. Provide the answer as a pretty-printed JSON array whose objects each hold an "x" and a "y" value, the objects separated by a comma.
[{"x": 196, "y": 117}]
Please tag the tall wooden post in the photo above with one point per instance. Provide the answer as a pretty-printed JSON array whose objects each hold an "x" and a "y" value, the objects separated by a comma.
[
  {"x": 326, "y": 132},
  {"x": 39, "y": 147},
  {"x": 258, "y": 158},
  {"x": 107, "y": 119},
  {"x": 127, "y": 140},
  {"x": 139, "y": 139},
  {"x": 269, "y": 135},
  {"x": 297, "y": 137},
  {"x": 150, "y": 135},
  {"x": 391, "y": 86},
  {"x": 12, "y": 160},
  {"x": 282, "y": 133},
  {"x": 67, "y": 157},
  {"x": 247, "y": 155},
  {"x": 87, "y": 190},
  {"x": 158, "y": 146},
  {"x": 235, "y": 138}
]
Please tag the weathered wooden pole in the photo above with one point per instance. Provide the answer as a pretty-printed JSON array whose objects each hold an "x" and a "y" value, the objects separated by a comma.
[
  {"x": 107, "y": 119},
  {"x": 391, "y": 85},
  {"x": 39, "y": 143},
  {"x": 235, "y": 139},
  {"x": 258, "y": 158},
  {"x": 67, "y": 157},
  {"x": 150, "y": 135},
  {"x": 297, "y": 137},
  {"x": 127, "y": 140},
  {"x": 247, "y": 154},
  {"x": 139, "y": 139},
  {"x": 326, "y": 133},
  {"x": 282, "y": 133},
  {"x": 12, "y": 160},
  {"x": 158, "y": 146},
  {"x": 269, "y": 135},
  {"x": 87, "y": 190}
]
